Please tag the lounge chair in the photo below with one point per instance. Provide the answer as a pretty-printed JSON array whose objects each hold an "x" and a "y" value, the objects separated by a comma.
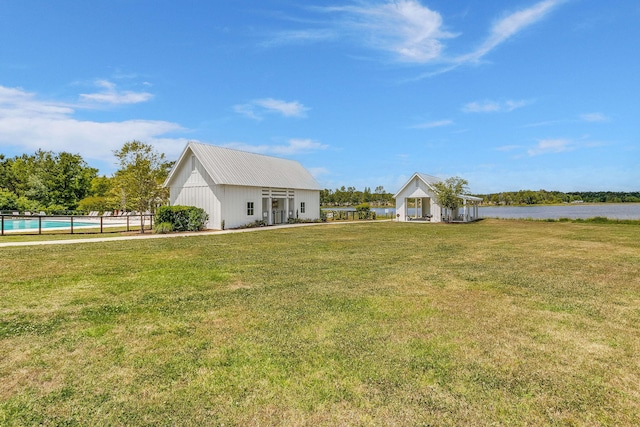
[
  {"x": 107, "y": 213},
  {"x": 27, "y": 213}
]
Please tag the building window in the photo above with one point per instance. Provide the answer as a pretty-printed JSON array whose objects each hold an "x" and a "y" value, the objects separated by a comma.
[
  {"x": 302, "y": 207},
  {"x": 193, "y": 163},
  {"x": 250, "y": 208}
]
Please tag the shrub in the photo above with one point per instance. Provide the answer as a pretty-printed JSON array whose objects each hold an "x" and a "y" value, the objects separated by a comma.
[
  {"x": 95, "y": 203},
  {"x": 598, "y": 220},
  {"x": 163, "y": 228},
  {"x": 364, "y": 211},
  {"x": 305, "y": 221},
  {"x": 254, "y": 224},
  {"x": 182, "y": 218}
]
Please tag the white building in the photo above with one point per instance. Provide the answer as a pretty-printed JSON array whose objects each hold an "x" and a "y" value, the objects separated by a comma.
[
  {"x": 237, "y": 188},
  {"x": 417, "y": 201}
]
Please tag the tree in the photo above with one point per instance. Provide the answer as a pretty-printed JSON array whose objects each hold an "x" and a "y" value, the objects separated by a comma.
[
  {"x": 8, "y": 200},
  {"x": 448, "y": 192},
  {"x": 47, "y": 179},
  {"x": 140, "y": 177}
]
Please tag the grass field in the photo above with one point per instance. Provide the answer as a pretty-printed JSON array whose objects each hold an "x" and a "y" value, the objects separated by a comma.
[{"x": 491, "y": 323}]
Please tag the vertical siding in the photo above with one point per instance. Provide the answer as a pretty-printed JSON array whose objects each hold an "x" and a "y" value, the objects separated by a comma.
[
  {"x": 311, "y": 198},
  {"x": 193, "y": 188},
  {"x": 411, "y": 191},
  {"x": 234, "y": 205},
  {"x": 228, "y": 203}
]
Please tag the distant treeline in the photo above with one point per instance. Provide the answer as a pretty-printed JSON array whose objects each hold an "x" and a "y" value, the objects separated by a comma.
[
  {"x": 349, "y": 196},
  {"x": 542, "y": 197}
]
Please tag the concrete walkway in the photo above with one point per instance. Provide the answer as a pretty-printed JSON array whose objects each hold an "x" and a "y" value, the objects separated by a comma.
[{"x": 170, "y": 235}]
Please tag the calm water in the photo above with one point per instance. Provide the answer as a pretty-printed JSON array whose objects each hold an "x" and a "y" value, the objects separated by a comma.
[{"x": 573, "y": 211}]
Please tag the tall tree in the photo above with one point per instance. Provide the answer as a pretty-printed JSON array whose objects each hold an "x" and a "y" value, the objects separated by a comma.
[
  {"x": 449, "y": 190},
  {"x": 49, "y": 179},
  {"x": 140, "y": 177}
]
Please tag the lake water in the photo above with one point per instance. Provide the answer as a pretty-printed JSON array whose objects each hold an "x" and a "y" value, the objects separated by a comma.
[{"x": 573, "y": 211}]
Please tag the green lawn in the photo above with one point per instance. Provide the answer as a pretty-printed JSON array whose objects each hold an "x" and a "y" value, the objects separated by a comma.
[{"x": 491, "y": 323}]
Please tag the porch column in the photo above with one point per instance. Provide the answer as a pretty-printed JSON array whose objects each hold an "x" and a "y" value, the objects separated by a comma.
[
  {"x": 269, "y": 209},
  {"x": 286, "y": 207}
]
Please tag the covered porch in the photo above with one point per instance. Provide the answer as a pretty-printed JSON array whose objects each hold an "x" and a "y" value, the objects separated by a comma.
[
  {"x": 418, "y": 208},
  {"x": 278, "y": 205},
  {"x": 468, "y": 212}
]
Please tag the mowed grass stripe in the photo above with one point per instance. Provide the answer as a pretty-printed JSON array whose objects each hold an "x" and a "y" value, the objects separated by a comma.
[{"x": 496, "y": 322}]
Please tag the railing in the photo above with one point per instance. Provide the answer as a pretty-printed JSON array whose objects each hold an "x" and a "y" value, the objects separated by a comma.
[{"x": 15, "y": 223}]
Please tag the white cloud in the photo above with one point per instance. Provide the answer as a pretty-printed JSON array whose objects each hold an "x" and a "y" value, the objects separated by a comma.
[
  {"x": 434, "y": 124},
  {"x": 509, "y": 26},
  {"x": 110, "y": 95},
  {"x": 493, "y": 106},
  {"x": 546, "y": 146},
  {"x": 28, "y": 124},
  {"x": 416, "y": 34},
  {"x": 293, "y": 146},
  {"x": 507, "y": 148},
  {"x": 257, "y": 108},
  {"x": 412, "y": 32},
  {"x": 594, "y": 117},
  {"x": 298, "y": 37}
]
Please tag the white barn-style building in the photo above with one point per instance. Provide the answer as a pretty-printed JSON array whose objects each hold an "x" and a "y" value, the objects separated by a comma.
[
  {"x": 420, "y": 192},
  {"x": 237, "y": 188}
]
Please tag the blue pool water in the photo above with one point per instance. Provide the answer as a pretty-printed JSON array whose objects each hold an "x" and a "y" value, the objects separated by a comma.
[{"x": 32, "y": 223}]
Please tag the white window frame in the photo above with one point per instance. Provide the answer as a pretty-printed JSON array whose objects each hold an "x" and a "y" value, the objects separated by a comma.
[{"x": 250, "y": 209}]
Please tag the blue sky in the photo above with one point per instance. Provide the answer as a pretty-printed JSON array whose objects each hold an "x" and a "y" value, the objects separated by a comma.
[{"x": 507, "y": 94}]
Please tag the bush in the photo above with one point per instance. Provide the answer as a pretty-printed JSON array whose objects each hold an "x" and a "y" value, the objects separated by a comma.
[
  {"x": 95, "y": 203},
  {"x": 305, "y": 221},
  {"x": 182, "y": 218},
  {"x": 163, "y": 228},
  {"x": 254, "y": 224},
  {"x": 364, "y": 211}
]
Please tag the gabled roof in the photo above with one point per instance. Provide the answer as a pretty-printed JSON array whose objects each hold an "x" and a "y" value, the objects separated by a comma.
[
  {"x": 429, "y": 180},
  {"x": 226, "y": 166}
]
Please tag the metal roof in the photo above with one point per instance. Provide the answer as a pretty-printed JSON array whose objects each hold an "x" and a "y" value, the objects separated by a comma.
[
  {"x": 234, "y": 167},
  {"x": 427, "y": 179}
]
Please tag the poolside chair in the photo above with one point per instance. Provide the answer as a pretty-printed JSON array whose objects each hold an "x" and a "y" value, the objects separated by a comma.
[
  {"x": 42, "y": 213},
  {"x": 107, "y": 213},
  {"x": 27, "y": 213},
  {"x": 15, "y": 213}
]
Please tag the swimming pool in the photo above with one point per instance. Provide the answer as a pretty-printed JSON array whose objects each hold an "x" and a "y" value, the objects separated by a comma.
[{"x": 32, "y": 224}]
